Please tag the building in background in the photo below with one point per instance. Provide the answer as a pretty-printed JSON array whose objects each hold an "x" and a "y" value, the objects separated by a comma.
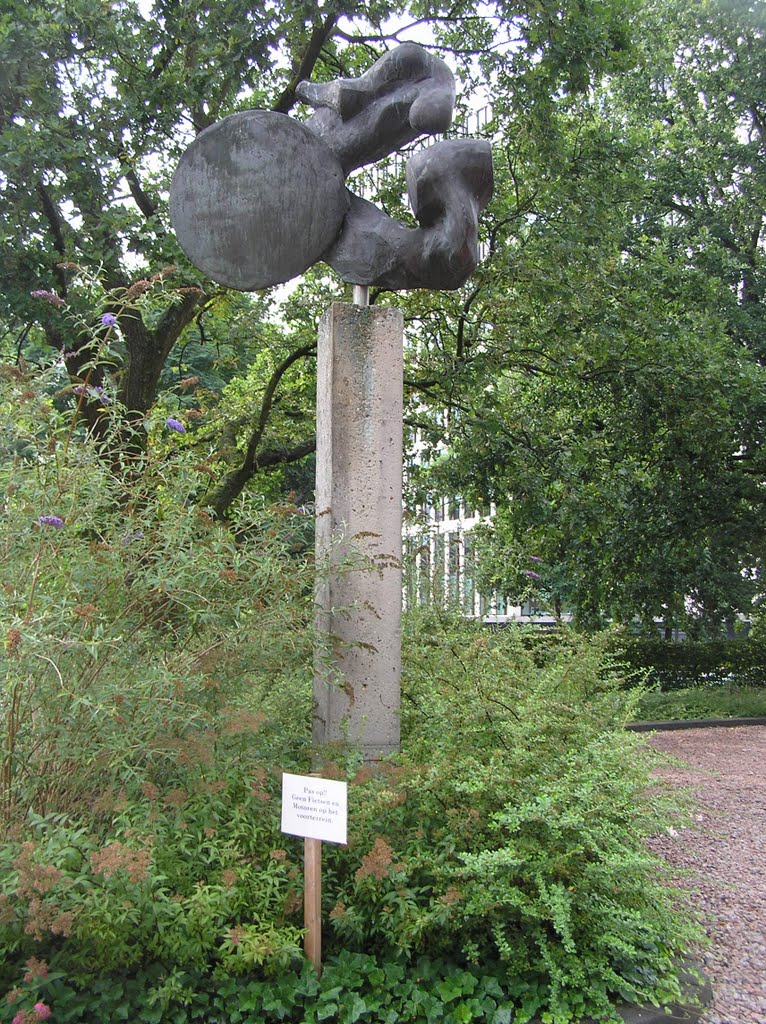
[{"x": 440, "y": 558}]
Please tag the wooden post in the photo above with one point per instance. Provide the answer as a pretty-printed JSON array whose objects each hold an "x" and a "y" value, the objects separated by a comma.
[{"x": 312, "y": 902}]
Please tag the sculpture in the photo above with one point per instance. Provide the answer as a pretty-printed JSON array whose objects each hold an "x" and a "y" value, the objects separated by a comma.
[
  {"x": 406, "y": 93},
  {"x": 258, "y": 198}
]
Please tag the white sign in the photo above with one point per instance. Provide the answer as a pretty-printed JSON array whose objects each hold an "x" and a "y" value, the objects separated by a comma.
[{"x": 314, "y": 808}]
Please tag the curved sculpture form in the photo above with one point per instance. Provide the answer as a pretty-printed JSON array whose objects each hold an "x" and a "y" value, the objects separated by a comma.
[
  {"x": 448, "y": 185},
  {"x": 406, "y": 93},
  {"x": 242, "y": 215},
  {"x": 259, "y": 198}
]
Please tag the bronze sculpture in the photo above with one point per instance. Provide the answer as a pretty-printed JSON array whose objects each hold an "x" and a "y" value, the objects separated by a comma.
[{"x": 259, "y": 197}]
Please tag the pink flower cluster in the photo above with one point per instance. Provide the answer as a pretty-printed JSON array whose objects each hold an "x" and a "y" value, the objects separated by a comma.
[{"x": 39, "y": 1012}]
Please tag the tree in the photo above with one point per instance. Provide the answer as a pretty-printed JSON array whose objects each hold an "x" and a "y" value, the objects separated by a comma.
[
  {"x": 96, "y": 105},
  {"x": 619, "y": 430}
]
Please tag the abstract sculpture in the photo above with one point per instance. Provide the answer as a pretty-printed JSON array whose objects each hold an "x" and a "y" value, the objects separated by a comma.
[{"x": 258, "y": 198}]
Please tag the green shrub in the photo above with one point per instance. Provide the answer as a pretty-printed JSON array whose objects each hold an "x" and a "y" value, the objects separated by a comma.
[
  {"x": 155, "y": 678},
  {"x": 675, "y": 665},
  {"x": 512, "y": 828},
  {"x": 156, "y": 682},
  {"x": 725, "y": 701},
  {"x": 134, "y": 623}
]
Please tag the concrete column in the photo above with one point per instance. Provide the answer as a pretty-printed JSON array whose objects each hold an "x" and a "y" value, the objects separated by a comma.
[{"x": 359, "y": 528}]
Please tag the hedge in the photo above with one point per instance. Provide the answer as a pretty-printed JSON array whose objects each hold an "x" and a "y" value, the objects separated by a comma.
[{"x": 675, "y": 665}]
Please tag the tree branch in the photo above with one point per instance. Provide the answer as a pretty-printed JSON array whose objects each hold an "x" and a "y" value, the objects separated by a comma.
[
  {"x": 148, "y": 350},
  {"x": 319, "y": 36},
  {"x": 461, "y": 347},
  {"x": 56, "y": 224},
  {"x": 235, "y": 482},
  {"x": 141, "y": 199},
  {"x": 251, "y": 460}
]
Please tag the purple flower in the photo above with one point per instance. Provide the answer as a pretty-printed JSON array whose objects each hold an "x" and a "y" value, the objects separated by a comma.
[
  {"x": 108, "y": 319},
  {"x": 176, "y": 425},
  {"x": 55, "y": 521},
  {"x": 535, "y": 558},
  {"x": 52, "y": 297},
  {"x": 95, "y": 391},
  {"x": 531, "y": 574}
]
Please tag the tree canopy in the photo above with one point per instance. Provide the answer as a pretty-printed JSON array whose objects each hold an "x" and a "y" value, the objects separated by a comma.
[
  {"x": 599, "y": 380},
  {"x": 619, "y": 430}
]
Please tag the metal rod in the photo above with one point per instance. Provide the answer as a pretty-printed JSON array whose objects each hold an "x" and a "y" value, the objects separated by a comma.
[
  {"x": 360, "y": 295},
  {"x": 312, "y": 902}
]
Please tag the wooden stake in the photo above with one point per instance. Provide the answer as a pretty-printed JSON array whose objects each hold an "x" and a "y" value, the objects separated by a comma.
[{"x": 312, "y": 902}]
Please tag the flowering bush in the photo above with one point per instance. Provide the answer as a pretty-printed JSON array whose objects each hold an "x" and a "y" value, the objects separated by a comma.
[
  {"x": 510, "y": 831},
  {"x": 145, "y": 711},
  {"x": 156, "y": 682}
]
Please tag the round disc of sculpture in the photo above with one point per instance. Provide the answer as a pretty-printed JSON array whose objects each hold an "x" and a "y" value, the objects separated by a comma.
[{"x": 256, "y": 199}]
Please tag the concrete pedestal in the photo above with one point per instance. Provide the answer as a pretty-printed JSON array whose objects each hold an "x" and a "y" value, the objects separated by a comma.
[{"x": 359, "y": 529}]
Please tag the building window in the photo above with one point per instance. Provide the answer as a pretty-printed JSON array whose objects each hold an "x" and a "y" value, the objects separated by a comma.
[
  {"x": 437, "y": 590},
  {"x": 410, "y": 572},
  {"x": 469, "y": 576},
  {"x": 453, "y": 568},
  {"x": 424, "y": 570}
]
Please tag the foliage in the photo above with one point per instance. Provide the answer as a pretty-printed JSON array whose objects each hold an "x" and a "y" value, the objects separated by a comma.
[
  {"x": 603, "y": 369},
  {"x": 713, "y": 663},
  {"x": 154, "y": 680},
  {"x": 354, "y": 987},
  {"x": 97, "y": 104},
  {"x": 512, "y": 821},
  {"x": 727, "y": 700},
  {"x": 156, "y": 683},
  {"x": 107, "y": 570},
  {"x": 603, "y": 378}
]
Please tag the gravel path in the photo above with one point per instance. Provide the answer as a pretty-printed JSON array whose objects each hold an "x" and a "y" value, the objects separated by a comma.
[{"x": 726, "y": 850}]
